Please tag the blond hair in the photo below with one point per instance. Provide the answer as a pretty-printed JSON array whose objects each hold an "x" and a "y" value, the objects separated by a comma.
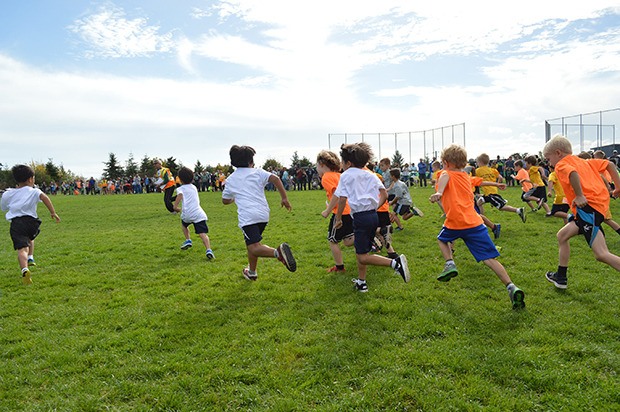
[
  {"x": 329, "y": 159},
  {"x": 558, "y": 142},
  {"x": 455, "y": 155},
  {"x": 483, "y": 159}
]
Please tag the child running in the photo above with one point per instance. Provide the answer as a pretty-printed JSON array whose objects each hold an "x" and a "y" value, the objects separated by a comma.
[
  {"x": 20, "y": 204},
  {"x": 402, "y": 202},
  {"x": 559, "y": 208},
  {"x": 328, "y": 168},
  {"x": 462, "y": 222},
  {"x": 588, "y": 197},
  {"x": 365, "y": 193},
  {"x": 191, "y": 212},
  {"x": 246, "y": 187}
]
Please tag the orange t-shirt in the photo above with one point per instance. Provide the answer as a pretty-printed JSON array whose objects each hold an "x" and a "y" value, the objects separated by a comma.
[
  {"x": 329, "y": 181},
  {"x": 385, "y": 207},
  {"x": 458, "y": 202},
  {"x": 523, "y": 175},
  {"x": 592, "y": 185}
]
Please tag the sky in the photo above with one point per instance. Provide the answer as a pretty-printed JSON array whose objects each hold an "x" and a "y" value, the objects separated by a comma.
[{"x": 187, "y": 79}]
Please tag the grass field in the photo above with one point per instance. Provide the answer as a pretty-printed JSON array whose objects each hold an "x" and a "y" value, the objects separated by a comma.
[{"x": 119, "y": 318}]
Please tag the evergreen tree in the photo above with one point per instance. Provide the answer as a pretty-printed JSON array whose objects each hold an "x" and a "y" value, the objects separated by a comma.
[
  {"x": 51, "y": 170},
  {"x": 198, "y": 167},
  {"x": 295, "y": 160},
  {"x": 273, "y": 164},
  {"x": 131, "y": 167},
  {"x": 112, "y": 169},
  {"x": 397, "y": 160},
  {"x": 171, "y": 163},
  {"x": 146, "y": 166}
]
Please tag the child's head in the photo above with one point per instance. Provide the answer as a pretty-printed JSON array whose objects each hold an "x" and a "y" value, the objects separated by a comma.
[
  {"x": 395, "y": 174},
  {"x": 242, "y": 156},
  {"x": 599, "y": 154},
  {"x": 358, "y": 154},
  {"x": 327, "y": 161},
  {"x": 454, "y": 155},
  {"x": 483, "y": 159},
  {"x": 556, "y": 148},
  {"x": 519, "y": 165},
  {"x": 186, "y": 175},
  {"x": 157, "y": 163},
  {"x": 584, "y": 155},
  {"x": 384, "y": 164},
  {"x": 531, "y": 160},
  {"x": 21, "y": 173},
  {"x": 436, "y": 165}
]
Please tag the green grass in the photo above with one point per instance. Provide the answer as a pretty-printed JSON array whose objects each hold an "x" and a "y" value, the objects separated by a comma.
[{"x": 119, "y": 318}]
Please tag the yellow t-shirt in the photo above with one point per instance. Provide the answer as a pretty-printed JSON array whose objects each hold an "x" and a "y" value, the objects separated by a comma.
[
  {"x": 488, "y": 174},
  {"x": 535, "y": 177},
  {"x": 560, "y": 198}
]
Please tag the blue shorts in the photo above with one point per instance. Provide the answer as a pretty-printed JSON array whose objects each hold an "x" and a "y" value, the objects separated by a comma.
[
  {"x": 364, "y": 227},
  {"x": 253, "y": 233},
  {"x": 476, "y": 239}
]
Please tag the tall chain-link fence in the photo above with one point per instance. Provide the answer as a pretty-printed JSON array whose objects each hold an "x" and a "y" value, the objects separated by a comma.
[{"x": 586, "y": 130}]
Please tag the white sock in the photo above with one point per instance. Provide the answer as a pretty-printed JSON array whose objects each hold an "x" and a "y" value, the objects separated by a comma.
[
  {"x": 31, "y": 257},
  {"x": 450, "y": 261},
  {"x": 510, "y": 286}
]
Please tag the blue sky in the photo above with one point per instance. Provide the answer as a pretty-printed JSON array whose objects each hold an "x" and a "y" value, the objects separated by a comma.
[{"x": 190, "y": 78}]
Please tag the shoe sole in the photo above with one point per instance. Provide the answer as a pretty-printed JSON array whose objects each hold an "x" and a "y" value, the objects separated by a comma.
[
  {"x": 518, "y": 300},
  {"x": 185, "y": 247},
  {"x": 249, "y": 277},
  {"x": 446, "y": 276},
  {"x": 556, "y": 284},
  {"x": 287, "y": 257},
  {"x": 26, "y": 279},
  {"x": 210, "y": 256},
  {"x": 418, "y": 212},
  {"x": 403, "y": 261}
]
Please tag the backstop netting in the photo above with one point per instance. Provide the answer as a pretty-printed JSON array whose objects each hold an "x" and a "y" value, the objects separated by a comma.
[
  {"x": 413, "y": 146},
  {"x": 587, "y": 130}
]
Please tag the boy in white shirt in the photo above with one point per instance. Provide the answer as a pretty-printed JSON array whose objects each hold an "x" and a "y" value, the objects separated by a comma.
[
  {"x": 191, "y": 212},
  {"x": 365, "y": 193},
  {"x": 402, "y": 202},
  {"x": 246, "y": 187},
  {"x": 21, "y": 207}
]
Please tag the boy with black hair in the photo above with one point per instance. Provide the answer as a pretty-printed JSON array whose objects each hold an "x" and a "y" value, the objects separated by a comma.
[
  {"x": 20, "y": 204},
  {"x": 191, "y": 212},
  {"x": 402, "y": 202},
  {"x": 365, "y": 193},
  {"x": 246, "y": 187}
]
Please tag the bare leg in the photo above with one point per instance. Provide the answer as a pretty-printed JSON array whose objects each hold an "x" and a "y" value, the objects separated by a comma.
[
  {"x": 256, "y": 250},
  {"x": 499, "y": 270}
]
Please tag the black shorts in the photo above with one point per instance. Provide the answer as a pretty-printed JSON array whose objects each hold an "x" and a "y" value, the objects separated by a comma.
[
  {"x": 365, "y": 227},
  {"x": 384, "y": 219},
  {"x": 199, "y": 227},
  {"x": 559, "y": 207},
  {"x": 24, "y": 229},
  {"x": 253, "y": 233},
  {"x": 541, "y": 193},
  {"x": 589, "y": 222},
  {"x": 495, "y": 200},
  {"x": 344, "y": 232},
  {"x": 402, "y": 209}
]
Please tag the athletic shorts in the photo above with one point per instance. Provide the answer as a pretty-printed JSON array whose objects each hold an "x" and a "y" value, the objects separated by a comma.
[
  {"x": 541, "y": 193},
  {"x": 24, "y": 229},
  {"x": 476, "y": 239},
  {"x": 559, "y": 207},
  {"x": 344, "y": 232},
  {"x": 402, "y": 209},
  {"x": 253, "y": 233},
  {"x": 495, "y": 200},
  {"x": 384, "y": 219},
  {"x": 199, "y": 227},
  {"x": 589, "y": 222},
  {"x": 364, "y": 227}
]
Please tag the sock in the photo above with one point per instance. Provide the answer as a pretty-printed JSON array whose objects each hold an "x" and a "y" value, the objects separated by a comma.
[
  {"x": 562, "y": 271},
  {"x": 24, "y": 270},
  {"x": 394, "y": 263},
  {"x": 32, "y": 256},
  {"x": 340, "y": 267},
  {"x": 252, "y": 272},
  {"x": 618, "y": 231},
  {"x": 510, "y": 286},
  {"x": 361, "y": 281},
  {"x": 450, "y": 261},
  {"x": 276, "y": 254}
]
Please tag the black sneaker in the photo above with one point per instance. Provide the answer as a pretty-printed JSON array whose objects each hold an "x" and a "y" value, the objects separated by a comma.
[
  {"x": 560, "y": 283},
  {"x": 496, "y": 230},
  {"x": 392, "y": 255},
  {"x": 286, "y": 257},
  {"x": 402, "y": 268},
  {"x": 360, "y": 285},
  {"x": 517, "y": 298}
]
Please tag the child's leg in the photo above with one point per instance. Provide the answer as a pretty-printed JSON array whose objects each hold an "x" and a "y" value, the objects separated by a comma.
[
  {"x": 396, "y": 220},
  {"x": 612, "y": 224},
  {"x": 361, "y": 269},
  {"x": 22, "y": 257},
  {"x": 185, "y": 231},
  {"x": 336, "y": 253},
  {"x": 546, "y": 207},
  {"x": 205, "y": 240},
  {"x": 499, "y": 270},
  {"x": 564, "y": 235},
  {"x": 508, "y": 208},
  {"x": 602, "y": 253},
  {"x": 31, "y": 247},
  {"x": 408, "y": 215},
  {"x": 446, "y": 250},
  {"x": 256, "y": 250}
]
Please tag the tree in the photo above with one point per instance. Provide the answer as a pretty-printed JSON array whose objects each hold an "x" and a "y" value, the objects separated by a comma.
[
  {"x": 171, "y": 163},
  {"x": 131, "y": 167},
  {"x": 295, "y": 160},
  {"x": 397, "y": 160},
  {"x": 146, "y": 166},
  {"x": 51, "y": 170},
  {"x": 198, "y": 167},
  {"x": 272, "y": 164},
  {"x": 112, "y": 169}
]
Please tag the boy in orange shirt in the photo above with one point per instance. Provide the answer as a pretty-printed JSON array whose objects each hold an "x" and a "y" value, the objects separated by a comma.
[
  {"x": 523, "y": 177},
  {"x": 462, "y": 222},
  {"x": 328, "y": 168},
  {"x": 589, "y": 200}
]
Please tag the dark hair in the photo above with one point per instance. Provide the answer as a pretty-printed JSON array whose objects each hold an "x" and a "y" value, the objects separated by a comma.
[
  {"x": 186, "y": 175},
  {"x": 21, "y": 173},
  {"x": 395, "y": 172},
  {"x": 242, "y": 156},
  {"x": 357, "y": 153}
]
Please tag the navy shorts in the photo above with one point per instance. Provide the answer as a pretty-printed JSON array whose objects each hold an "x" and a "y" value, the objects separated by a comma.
[
  {"x": 476, "y": 239},
  {"x": 364, "y": 227},
  {"x": 589, "y": 222},
  {"x": 384, "y": 219},
  {"x": 253, "y": 233},
  {"x": 199, "y": 227},
  {"x": 24, "y": 229},
  {"x": 402, "y": 209},
  {"x": 343, "y": 232}
]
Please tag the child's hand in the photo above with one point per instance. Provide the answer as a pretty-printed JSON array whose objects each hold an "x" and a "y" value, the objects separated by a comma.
[
  {"x": 325, "y": 213},
  {"x": 337, "y": 222},
  {"x": 286, "y": 204},
  {"x": 56, "y": 217},
  {"x": 435, "y": 197},
  {"x": 580, "y": 201},
  {"x": 501, "y": 186}
]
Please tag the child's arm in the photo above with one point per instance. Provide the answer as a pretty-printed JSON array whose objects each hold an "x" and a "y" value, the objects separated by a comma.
[
  {"x": 227, "y": 201},
  {"x": 48, "y": 203},
  {"x": 613, "y": 172},
  {"x": 500, "y": 186},
  {"x": 382, "y": 197},
  {"x": 575, "y": 182},
  {"x": 342, "y": 201},
  {"x": 442, "y": 182},
  {"x": 178, "y": 200},
  {"x": 277, "y": 182},
  {"x": 550, "y": 189},
  {"x": 330, "y": 206}
]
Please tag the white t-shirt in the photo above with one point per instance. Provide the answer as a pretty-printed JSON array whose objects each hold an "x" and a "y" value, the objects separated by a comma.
[
  {"x": 361, "y": 188},
  {"x": 401, "y": 191},
  {"x": 191, "y": 212},
  {"x": 246, "y": 186},
  {"x": 21, "y": 202}
]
